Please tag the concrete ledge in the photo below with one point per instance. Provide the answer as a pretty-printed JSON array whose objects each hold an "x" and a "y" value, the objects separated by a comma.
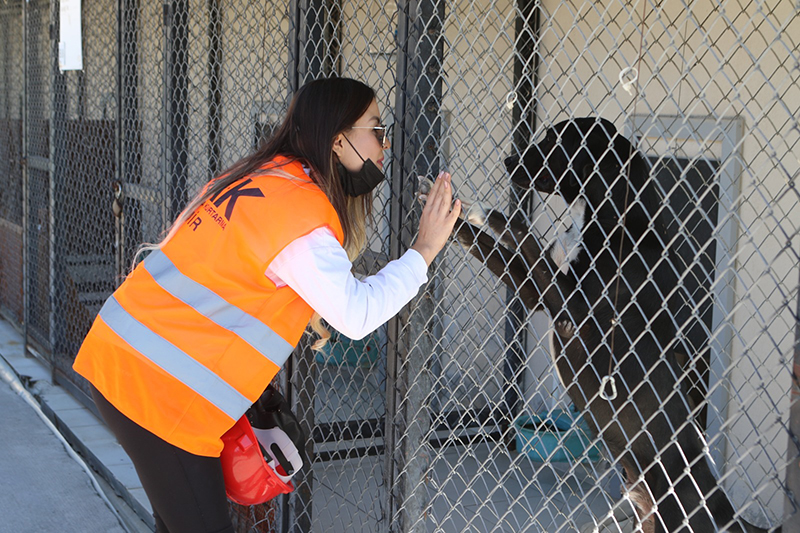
[{"x": 83, "y": 430}]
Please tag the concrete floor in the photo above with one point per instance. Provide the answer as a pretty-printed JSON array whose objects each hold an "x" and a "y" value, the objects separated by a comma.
[
  {"x": 481, "y": 488},
  {"x": 477, "y": 489}
]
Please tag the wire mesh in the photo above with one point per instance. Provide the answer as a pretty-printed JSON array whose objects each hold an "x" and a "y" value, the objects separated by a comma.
[
  {"x": 447, "y": 418},
  {"x": 11, "y": 161}
]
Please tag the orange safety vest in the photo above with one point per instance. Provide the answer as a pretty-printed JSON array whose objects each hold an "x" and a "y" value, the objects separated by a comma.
[{"x": 197, "y": 331}]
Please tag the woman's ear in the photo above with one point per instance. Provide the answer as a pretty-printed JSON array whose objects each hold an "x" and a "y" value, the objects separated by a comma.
[{"x": 338, "y": 145}]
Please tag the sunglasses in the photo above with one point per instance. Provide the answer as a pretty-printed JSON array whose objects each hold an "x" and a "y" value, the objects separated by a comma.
[{"x": 381, "y": 132}]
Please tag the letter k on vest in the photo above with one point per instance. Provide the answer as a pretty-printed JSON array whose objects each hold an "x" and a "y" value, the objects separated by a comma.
[{"x": 233, "y": 194}]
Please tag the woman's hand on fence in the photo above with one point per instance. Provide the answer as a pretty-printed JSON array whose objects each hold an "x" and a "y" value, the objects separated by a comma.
[{"x": 438, "y": 218}]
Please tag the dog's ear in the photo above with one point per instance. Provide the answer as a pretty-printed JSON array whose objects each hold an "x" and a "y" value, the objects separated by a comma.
[
  {"x": 622, "y": 154},
  {"x": 598, "y": 157},
  {"x": 598, "y": 135}
]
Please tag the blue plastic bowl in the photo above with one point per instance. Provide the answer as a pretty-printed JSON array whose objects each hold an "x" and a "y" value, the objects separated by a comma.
[
  {"x": 558, "y": 436},
  {"x": 343, "y": 351}
]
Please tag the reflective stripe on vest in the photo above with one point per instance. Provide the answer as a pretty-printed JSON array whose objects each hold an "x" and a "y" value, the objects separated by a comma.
[
  {"x": 217, "y": 309},
  {"x": 173, "y": 360}
]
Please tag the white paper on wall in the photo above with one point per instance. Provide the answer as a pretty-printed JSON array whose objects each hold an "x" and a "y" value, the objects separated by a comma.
[{"x": 70, "y": 47}]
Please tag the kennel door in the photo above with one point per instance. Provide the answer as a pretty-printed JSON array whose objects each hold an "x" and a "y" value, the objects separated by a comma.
[{"x": 696, "y": 164}]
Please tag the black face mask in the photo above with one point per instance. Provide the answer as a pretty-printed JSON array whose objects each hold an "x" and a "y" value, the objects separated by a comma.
[{"x": 361, "y": 181}]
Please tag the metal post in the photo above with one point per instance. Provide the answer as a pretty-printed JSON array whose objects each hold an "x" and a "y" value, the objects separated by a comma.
[
  {"x": 307, "y": 61},
  {"x": 316, "y": 31},
  {"x": 293, "y": 38},
  {"x": 526, "y": 78},
  {"x": 214, "y": 83},
  {"x": 791, "y": 522},
  {"x": 396, "y": 216},
  {"x": 58, "y": 153},
  {"x": 25, "y": 159},
  {"x": 419, "y": 96},
  {"x": 129, "y": 135},
  {"x": 176, "y": 93},
  {"x": 301, "y": 382}
]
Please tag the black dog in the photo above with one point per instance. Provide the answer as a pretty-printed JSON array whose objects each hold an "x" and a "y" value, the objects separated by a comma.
[{"x": 608, "y": 286}]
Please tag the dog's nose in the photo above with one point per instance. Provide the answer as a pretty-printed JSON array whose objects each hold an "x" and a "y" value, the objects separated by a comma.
[{"x": 511, "y": 163}]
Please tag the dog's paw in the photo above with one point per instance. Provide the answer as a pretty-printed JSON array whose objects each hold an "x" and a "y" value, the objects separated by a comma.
[
  {"x": 474, "y": 213},
  {"x": 565, "y": 327},
  {"x": 425, "y": 186}
]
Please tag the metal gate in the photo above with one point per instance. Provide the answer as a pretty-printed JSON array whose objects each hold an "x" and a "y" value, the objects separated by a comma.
[{"x": 430, "y": 424}]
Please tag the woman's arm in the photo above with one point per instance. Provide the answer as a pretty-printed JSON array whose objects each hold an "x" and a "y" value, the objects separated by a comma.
[{"x": 317, "y": 268}]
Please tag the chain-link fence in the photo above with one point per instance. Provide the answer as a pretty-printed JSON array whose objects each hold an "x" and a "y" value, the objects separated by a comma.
[{"x": 457, "y": 415}]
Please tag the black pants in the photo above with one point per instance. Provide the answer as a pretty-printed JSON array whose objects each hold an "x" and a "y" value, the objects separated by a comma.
[{"x": 187, "y": 491}]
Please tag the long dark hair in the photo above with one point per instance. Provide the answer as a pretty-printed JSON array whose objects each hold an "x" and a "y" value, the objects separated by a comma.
[{"x": 320, "y": 110}]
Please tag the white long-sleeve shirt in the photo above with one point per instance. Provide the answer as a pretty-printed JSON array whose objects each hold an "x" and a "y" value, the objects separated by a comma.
[{"x": 316, "y": 267}]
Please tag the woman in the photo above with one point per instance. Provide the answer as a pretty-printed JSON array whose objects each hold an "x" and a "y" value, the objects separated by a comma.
[{"x": 200, "y": 327}]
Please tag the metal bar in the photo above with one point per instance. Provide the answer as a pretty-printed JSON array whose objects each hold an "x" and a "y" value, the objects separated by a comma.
[
  {"x": 395, "y": 222},
  {"x": 130, "y": 127},
  {"x": 396, "y": 216},
  {"x": 293, "y": 39},
  {"x": 25, "y": 157},
  {"x": 38, "y": 162},
  {"x": 298, "y": 504},
  {"x": 312, "y": 45},
  {"x": 307, "y": 64},
  {"x": 526, "y": 79},
  {"x": 792, "y": 500},
  {"x": 302, "y": 387},
  {"x": 58, "y": 126},
  {"x": 57, "y": 178},
  {"x": 214, "y": 82},
  {"x": 374, "y": 428},
  {"x": 165, "y": 98},
  {"x": 119, "y": 134},
  {"x": 349, "y": 430},
  {"x": 177, "y": 93},
  {"x": 313, "y": 50},
  {"x": 419, "y": 95},
  {"x": 526, "y": 71}
]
